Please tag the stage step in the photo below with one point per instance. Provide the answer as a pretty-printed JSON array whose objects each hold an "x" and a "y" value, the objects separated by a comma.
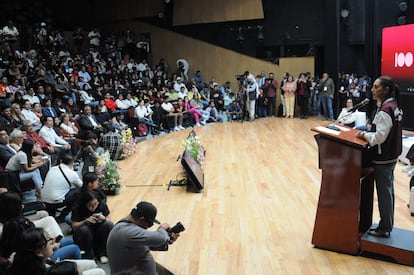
[{"x": 399, "y": 246}]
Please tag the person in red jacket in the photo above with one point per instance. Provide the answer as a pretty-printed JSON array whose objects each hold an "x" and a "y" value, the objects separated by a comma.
[{"x": 110, "y": 103}]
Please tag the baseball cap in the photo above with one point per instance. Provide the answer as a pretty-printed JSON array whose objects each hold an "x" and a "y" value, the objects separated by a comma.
[
  {"x": 146, "y": 210},
  {"x": 178, "y": 78}
]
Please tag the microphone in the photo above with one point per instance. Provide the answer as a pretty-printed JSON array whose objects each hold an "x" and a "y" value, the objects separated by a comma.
[{"x": 359, "y": 105}]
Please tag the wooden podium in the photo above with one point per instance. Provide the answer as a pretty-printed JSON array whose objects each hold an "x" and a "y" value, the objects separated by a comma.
[
  {"x": 340, "y": 219},
  {"x": 345, "y": 205}
]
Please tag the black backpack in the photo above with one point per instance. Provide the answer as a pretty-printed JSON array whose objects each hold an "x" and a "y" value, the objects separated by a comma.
[{"x": 280, "y": 110}]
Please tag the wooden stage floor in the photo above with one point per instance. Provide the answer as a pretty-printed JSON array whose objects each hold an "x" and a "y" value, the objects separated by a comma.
[{"x": 257, "y": 211}]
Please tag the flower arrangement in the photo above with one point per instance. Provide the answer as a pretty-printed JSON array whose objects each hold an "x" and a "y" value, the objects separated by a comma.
[
  {"x": 196, "y": 150},
  {"x": 108, "y": 175},
  {"x": 128, "y": 144}
]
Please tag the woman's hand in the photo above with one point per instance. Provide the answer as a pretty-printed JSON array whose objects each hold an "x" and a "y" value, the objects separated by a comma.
[
  {"x": 360, "y": 135},
  {"x": 92, "y": 219}
]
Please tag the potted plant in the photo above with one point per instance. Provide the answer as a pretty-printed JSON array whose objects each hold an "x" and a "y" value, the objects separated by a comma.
[{"x": 108, "y": 175}]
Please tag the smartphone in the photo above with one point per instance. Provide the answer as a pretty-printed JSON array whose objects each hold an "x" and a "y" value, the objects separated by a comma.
[{"x": 58, "y": 238}]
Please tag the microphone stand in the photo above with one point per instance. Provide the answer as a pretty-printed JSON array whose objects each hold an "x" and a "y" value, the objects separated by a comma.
[{"x": 334, "y": 127}]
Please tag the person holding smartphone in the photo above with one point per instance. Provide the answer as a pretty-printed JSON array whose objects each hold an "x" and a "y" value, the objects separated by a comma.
[
  {"x": 129, "y": 242},
  {"x": 91, "y": 226}
]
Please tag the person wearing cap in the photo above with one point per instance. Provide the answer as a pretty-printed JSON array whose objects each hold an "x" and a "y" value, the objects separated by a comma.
[
  {"x": 129, "y": 242},
  {"x": 171, "y": 113},
  {"x": 179, "y": 84}
]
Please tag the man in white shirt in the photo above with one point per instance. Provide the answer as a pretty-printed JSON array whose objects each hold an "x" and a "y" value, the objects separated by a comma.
[
  {"x": 48, "y": 133},
  {"x": 61, "y": 187},
  {"x": 30, "y": 115},
  {"x": 178, "y": 117},
  {"x": 31, "y": 96},
  {"x": 179, "y": 84}
]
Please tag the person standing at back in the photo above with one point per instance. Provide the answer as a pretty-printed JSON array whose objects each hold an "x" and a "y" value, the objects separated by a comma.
[{"x": 327, "y": 89}]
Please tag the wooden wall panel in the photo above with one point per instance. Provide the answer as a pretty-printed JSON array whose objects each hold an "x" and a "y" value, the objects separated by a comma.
[
  {"x": 188, "y": 12},
  {"x": 213, "y": 61}
]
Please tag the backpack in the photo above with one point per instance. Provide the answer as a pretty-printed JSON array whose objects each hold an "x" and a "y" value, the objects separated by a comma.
[
  {"x": 280, "y": 110},
  {"x": 142, "y": 130}
]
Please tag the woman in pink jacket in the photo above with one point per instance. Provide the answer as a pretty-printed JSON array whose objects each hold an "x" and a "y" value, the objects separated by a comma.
[{"x": 290, "y": 89}]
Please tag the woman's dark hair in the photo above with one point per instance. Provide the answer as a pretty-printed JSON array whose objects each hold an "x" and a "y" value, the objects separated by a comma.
[
  {"x": 88, "y": 178},
  {"x": 85, "y": 197},
  {"x": 63, "y": 268},
  {"x": 10, "y": 206},
  {"x": 26, "y": 260},
  {"x": 27, "y": 147},
  {"x": 394, "y": 90},
  {"x": 11, "y": 230}
]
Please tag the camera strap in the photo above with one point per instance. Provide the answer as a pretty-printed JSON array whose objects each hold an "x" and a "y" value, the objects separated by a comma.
[{"x": 66, "y": 178}]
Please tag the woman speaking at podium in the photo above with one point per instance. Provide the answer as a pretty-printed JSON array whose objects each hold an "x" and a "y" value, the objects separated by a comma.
[{"x": 386, "y": 139}]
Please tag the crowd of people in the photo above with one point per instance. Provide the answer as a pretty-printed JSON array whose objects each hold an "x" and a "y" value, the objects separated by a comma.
[{"x": 60, "y": 104}]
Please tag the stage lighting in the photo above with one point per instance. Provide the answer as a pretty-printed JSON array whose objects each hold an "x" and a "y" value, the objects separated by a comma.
[
  {"x": 344, "y": 13},
  {"x": 402, "y": 20},
  {"x": 240, "y": 36},
  {"x": 403, "y": 6},
  {"x": 260, "y": 35}
]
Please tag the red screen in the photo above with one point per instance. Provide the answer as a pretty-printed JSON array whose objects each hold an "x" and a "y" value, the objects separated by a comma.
[{"x": 398, "y": 55}]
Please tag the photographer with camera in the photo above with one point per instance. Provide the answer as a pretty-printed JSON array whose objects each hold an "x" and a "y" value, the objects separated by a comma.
[
  {"x": 252, "y": 91},
  {"x": 129, "y": 242}
]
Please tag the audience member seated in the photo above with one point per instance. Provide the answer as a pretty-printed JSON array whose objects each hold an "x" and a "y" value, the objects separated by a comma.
[
  {"x": 37, "y": 110},
  {"x": 214, "y": 113},
  {"x": 109, "y": 102},
  {"x": 117, "y": 121},
  {"x": 48, "y": 110},
  {"x": 346, "y": 117},
  {"x": 129, "y": 101},
  {"x": 41, "y": 143},
  {"x": 68, "y": 126},
  {"x": 63, "y": 248},
  {"x": 120, "y": 103},
  {"x": 49, "y": 134},
  {"x": 59, "y": 107},
  {"x": 6, "y": 151},
  {"x": 17, "y": 115},
  {"x": 159, "y": 116},
  {"x": 63, "y": 134},
  {"x": 22, "y": 162},
  {"x": 88, "y": 121},
  {"x": 36, "y": 249},
  {"x": 111, "y": 141},
  {"x": 31, "y": 96},
  {"x": 30, "y": 115},
  {"x": 6, "y": 121},
  {"x": 171, "y": 113},
  {"x": 86, "y": 97},
  {"x": 198, "y": 116},
  {"x": 234, "y": 112},
  {"x": 72, "y": 108},
  {"x": 16, "y": 139},
  {"x": 144, "y": 116},
  {"x": 90, "y": 226},
  {"x": 89, "y": 152},
  {"x": 61, "y": 187},
  {"x": 91, "y": 183}
]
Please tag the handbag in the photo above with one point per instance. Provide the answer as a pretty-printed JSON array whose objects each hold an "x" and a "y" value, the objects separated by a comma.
[
  {"x": 32, "y": 207},
  {"x": 142, "y": 130}
]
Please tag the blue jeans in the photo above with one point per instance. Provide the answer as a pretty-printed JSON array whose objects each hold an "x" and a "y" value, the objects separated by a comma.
[
  {"x": 316, "y": 104},
  {"x": 34, "y": 176},
  {"x": 384, "y": 182},
  {"x": 67, "y": 250},
  {"x": 327, "y": 106}
]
